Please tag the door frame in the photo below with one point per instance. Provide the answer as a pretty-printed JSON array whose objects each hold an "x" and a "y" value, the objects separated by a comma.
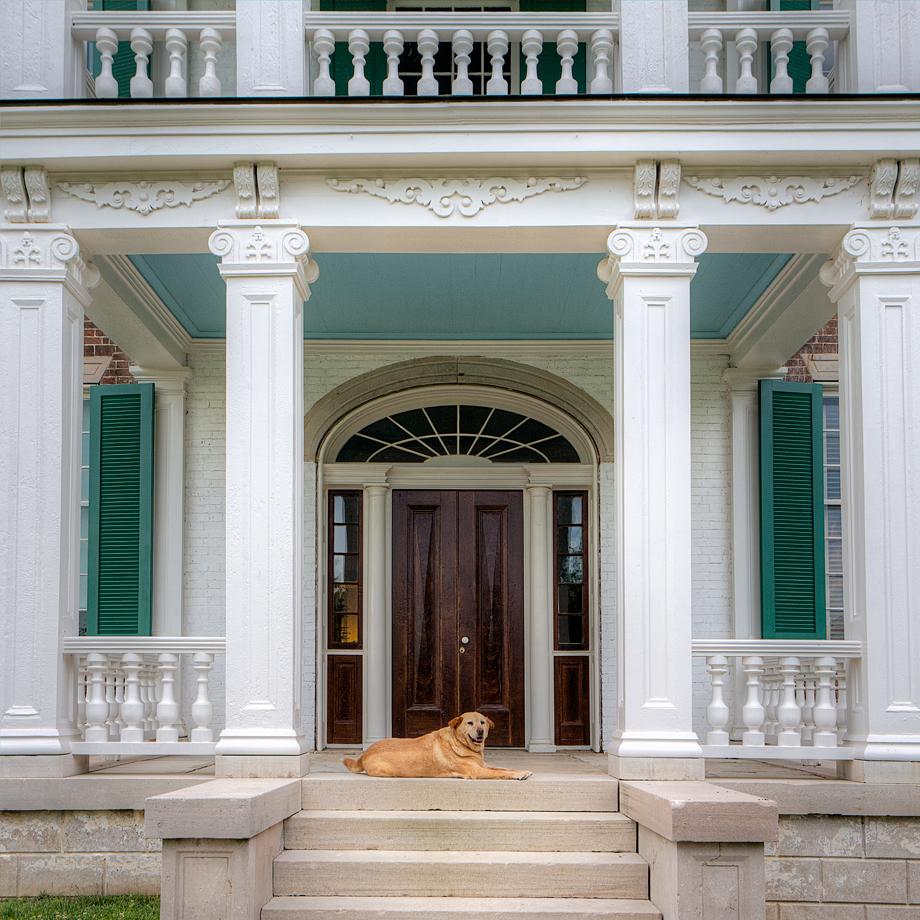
[{"x": 459, "y": 476}]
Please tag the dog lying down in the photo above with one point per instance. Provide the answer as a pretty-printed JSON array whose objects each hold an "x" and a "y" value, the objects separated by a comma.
[{"x": 454, "y": 752}]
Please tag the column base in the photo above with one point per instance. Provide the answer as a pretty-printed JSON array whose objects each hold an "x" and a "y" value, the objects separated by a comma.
[
  {"x": 656, "y": 768},
  {"x": 541, "y": 747},
  {"x": 43, "y": 766},
  {"x": 879, "y": 771},
  {"x": 262, "y": 766}
]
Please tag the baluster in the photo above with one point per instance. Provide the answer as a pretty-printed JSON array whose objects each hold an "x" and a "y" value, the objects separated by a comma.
[
  {"x": 788, "y": 712},
  {"x": 753, "y": 713},
  {"x": 323, "y": 48},
  {"x": 149, "y": 682},
  {"x": 176, "y": 86},
  {"x": 781, "y": 45},
  {"x": 107, "y": 46},
  {"x": 359, "y": 44},
  {"x": 393, "y": 47},
  {"x": 717, "y": 712},
  {"x": 144, "y": 697},
  {"x": 142, "y": 46},
  {"x": 808, "y": 704},
  {"x": 427, "y": 42},
  {"x": 168, "y": 708},
  {"x": 567, "y": 47},
  {"x": 746, "y": 45},
  {"x": 82, "y": 682},
  {"x": 211, "y": 43},
  {"x": 532, "y": 47},
  {"x": 770, "y": 700},
  {"x": 113, "y": 696},
  {"x": 816, "y": 43},
  {"x": 825, "y": 712},
  {"x": 202, "y": 710},
  {"x": 132, "y": 707},
  {"x": 462, "y": 46},
  {"x": 97, "y": 707},
  {"x": 602, "y": 55},
  {"x": 497, "y": 45},
  {"x": 711, "y": 45},
  {"x": 843, "y": 711}
]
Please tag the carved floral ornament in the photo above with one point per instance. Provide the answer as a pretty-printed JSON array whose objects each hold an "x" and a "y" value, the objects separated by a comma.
[
  {"x": 146, "y": 195},
  {"x": 772, "y": 192},
  {"x": 467, "y": 196},
  {"x": 876, "y": 249},
  {"x": 675, "y": 249},
  {"x": 43, "y": 251},
  {"x": 248, "y": 242}
]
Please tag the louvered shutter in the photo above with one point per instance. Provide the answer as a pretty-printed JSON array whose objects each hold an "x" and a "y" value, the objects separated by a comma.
[
  {"x": 121, "y": 510},
  {"x": 549, "y": 67},
  {"x": 375, "y": 65},
  {"x": 792, "y": 510},
  {"x": 123, "y": 64}
]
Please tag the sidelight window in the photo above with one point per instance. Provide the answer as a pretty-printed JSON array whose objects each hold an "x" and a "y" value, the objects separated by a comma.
[{"x": 344, "y": 574}]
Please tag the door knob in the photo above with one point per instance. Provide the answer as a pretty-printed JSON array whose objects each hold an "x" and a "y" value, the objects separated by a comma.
[{"x": 465, "y": 640}]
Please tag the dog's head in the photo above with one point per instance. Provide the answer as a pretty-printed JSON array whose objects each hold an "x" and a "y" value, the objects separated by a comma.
[{"x": 471, "y": 728}]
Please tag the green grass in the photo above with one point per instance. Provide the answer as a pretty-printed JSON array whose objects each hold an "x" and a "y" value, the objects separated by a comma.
[{"x": 132, "y": 907}]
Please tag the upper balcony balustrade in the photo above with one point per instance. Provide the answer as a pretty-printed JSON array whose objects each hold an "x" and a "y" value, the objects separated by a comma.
[{"x": 484, "y": 50}]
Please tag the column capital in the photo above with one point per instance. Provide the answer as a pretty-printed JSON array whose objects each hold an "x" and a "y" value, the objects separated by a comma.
[
  {"x": 173, "y": 380},
  {"x": 45, "y": 252},
  {"x": 640, "y": 249},
  {"x": 877, "y": 250},
  {"x": 745, "y": 379},
  {"x": 260, "y": 248}
]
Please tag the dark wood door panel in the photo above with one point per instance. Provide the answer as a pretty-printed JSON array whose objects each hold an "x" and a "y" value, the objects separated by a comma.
[
  {"x": 572, "y": 700},
  {"x": 344, "y": 699}
]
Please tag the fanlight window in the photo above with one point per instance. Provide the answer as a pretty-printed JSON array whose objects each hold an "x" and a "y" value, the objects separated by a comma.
[{"x": 418, "y": 435}]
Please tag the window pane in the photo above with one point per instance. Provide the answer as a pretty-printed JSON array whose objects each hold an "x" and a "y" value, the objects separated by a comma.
[
  {"x": 834, "y": 528},
  {"x": 571, "y": 570},
  {"x": 571, "y": 630},
  {"x": 345, "y": 598},
  {"x": 569, "y": 509},
  {"x": 835, "y": 591},
  {"x": 344, "y": 629},
  {"x": 570, "y": 540},
  {"x": 832, "y": 448},
  {"x": 570, "y": 598},
  {"x": 84, "y": 484},
  {"x": 835, "y": 556},
  {"x": 836, "y": 627},
  {"x": 346, "y": 508},
  {"x": 832, "y": 483},
  {"x": 345, "y": 538},
  {"x": 84, "y": 580},
  {"x": 832, "y": 412},
  {"x": 344, "y": 569}
]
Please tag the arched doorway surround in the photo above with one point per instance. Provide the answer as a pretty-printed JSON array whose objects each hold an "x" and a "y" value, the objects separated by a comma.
[{"x": 360, "y": 671}]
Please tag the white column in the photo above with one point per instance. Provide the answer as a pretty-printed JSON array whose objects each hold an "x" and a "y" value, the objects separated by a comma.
[
  {"x": 268, "y": 270},
  {"x": 648, "y": 273},
  {"x": 542, "y": 731},
  {"x": 376, "y": 649},
  {"x": 653, "y": 54},
  {"x": 40, "y": 59},
  {"x": 745, "y": 415},
  {"x": 168, "y": 495},
  {"x": 270, "y": 48},
  {"x": 43, "y": 292},
  {"x": 875, "y": 281}
]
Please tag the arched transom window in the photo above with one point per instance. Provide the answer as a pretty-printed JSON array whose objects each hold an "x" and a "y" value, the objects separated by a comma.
[{"x": 431, "y": 432}]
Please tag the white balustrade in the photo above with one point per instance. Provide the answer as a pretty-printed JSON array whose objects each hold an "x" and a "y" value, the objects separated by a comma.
[
  {"x": 795, "y": 702},
  {"x": 497, "y": 45},
  {"x": 602, "y": 57},
  {"x": 358, "y": 46},
  {"x": 127, "y": 697},
  {"x": 427, "y": 42},
  {"x": 462, "y": 47},
  {"x": 393, "y": 47},
  {"x": 742, "y": 36}
]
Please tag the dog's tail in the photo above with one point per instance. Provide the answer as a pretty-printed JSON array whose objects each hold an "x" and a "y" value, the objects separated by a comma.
[{"x": 354, "y": 765}]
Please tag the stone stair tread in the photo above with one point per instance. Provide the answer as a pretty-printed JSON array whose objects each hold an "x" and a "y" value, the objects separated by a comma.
[
  {"x": 450, "y": 857},
  {"x": 394, "y": 908}
]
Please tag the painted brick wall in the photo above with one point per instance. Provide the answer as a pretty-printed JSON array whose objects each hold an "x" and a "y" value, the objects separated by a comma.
[
  {"x": 95, "y": 343},
  {"x": 324, "y": 370}
]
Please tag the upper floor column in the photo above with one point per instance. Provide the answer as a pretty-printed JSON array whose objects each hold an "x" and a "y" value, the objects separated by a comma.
[
  {"x": 267, "y": 267},
  {"x": 875, "y": 281},
  {"x": 653, "y": 55},
  {"x": 648, "y": 273},
  {"x": 43, "y": 291},
  {"x": 271, "y": 48}
]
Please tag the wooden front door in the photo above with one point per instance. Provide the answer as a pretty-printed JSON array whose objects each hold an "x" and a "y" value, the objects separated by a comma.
[{"x": 458, "y": 611}]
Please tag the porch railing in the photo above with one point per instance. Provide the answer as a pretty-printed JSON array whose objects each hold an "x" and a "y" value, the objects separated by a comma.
[
  {"x": 795, "y": 697},
  {"x": 127, "y": 699}
]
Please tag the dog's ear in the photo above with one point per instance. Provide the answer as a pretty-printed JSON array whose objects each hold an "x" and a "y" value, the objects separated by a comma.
[
  {"x": 490, "y": 723},
  {"x": 455, "y": 721}
]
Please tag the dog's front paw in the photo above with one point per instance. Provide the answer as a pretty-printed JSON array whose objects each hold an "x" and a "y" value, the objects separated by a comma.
[{"x": 524, "y": 774}]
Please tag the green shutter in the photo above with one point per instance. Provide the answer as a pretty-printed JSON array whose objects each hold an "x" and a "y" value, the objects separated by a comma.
[
  {"x": 123, "y": 64},
  {"x": 792, "y": 510},
  {"x": 549, "y": 67},
  {"x": 375, "y": 66},
  {"x": 121, "y": 510}
]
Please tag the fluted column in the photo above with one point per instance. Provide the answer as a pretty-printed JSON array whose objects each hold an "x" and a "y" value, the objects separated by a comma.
[
  {"x": 43, "y": 291},
  {"x": 268, "y": 270},
  {"x": 875, "y": 281},
  {"x": 541, "y": 620},
  {"x": 647, "y": 273},
  {"x": 376, "y": 651}
]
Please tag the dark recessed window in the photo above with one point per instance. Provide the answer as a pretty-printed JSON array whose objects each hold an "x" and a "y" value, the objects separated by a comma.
[{"x": 418, "y": 435}]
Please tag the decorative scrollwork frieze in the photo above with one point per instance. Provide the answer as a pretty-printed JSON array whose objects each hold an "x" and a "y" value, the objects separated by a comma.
[
  {"x": 771, "y": 192},
  {"x": 466, "y": 196},
  {"x": 144, "y": 196}
]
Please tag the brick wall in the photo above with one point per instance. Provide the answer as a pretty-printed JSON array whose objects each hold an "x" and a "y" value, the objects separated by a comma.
[
  {"x": 832, "y": 867},
  {"x": 95, "y": 343},
  {"x": 823, "y": 342}
]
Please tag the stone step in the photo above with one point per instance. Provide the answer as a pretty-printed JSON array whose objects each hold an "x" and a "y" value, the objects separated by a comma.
[
  {"x": 544, "y": 792},
  {"x": 491, "y": 874},
  {"x": 458, "y": 909},
  {"x": 533, "y": 831}
]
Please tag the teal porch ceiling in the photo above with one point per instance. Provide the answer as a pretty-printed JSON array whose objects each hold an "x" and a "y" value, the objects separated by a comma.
[{"x": 461, "y": 296}]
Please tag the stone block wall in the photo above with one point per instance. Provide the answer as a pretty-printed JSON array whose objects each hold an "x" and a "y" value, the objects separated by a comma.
[
  {"x": 843, "y": 867},
  {"x": 76, "y": 853}
]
